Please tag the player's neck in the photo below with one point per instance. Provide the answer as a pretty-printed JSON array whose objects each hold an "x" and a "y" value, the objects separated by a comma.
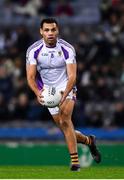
[{"x": 51, "y": 45}]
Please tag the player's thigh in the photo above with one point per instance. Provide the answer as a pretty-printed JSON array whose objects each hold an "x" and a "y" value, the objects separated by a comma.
[
  {"x": 56, "y": 117},
  {"x": 66, "y": 109}
]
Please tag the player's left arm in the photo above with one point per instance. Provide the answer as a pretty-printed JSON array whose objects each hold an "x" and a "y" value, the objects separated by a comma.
[{"x": 71, "y": 72}]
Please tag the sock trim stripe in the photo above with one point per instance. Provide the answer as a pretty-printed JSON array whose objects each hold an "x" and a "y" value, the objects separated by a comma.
[
  {"x": 90, "y": 141},
  {"x": 74, "y": 158},
  {"x": 75, "y": 163},
  {"x": 74, "y": 154}
]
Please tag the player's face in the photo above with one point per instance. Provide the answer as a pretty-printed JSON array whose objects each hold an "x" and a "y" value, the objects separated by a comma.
[{"x": 49, "y": 33}]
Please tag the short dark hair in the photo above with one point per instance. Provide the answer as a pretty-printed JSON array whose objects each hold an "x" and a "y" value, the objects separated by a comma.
[{"x": 49, "y": 21}]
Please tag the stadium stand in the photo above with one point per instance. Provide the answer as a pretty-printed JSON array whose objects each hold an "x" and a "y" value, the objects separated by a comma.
[{"x": 98, "y": 37}]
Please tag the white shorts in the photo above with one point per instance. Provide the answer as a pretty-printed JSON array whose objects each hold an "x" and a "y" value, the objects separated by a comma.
[{"x": 71, "y": 95}]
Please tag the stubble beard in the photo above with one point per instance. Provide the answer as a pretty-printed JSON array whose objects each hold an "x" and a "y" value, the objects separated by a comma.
[{"x": 51, "y": 43}]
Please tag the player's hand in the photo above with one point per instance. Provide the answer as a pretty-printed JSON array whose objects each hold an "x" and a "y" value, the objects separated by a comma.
[{"x": 40, "y": 97}]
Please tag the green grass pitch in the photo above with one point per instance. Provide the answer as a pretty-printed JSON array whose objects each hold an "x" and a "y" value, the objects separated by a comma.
[{"x": 60, "y": 172}]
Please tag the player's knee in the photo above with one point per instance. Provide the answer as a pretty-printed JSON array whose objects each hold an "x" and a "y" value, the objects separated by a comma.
[
  {"x": 64, "y": 124},
  {"x": 65, "y": 114}
]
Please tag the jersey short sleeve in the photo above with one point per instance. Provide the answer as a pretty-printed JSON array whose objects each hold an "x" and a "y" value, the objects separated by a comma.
[
  {"x": 71, "y": 57},
  {"x": 30, "y": 57}
]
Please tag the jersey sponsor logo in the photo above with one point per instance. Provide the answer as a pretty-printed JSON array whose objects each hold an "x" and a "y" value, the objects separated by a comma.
[{"x": 44, "y": 54}]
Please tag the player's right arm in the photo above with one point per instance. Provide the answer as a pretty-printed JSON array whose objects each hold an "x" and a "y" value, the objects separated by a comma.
[
  {"x": 31, "y": 70},
  {"x": 31, "y": 76},
  {"x": 31, "y": 79}
]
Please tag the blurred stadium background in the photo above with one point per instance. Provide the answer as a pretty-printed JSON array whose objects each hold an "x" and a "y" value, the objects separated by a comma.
[{"x": 96, "y": 29}]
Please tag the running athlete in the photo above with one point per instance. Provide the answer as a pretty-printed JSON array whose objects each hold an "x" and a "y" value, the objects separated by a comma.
[{"x": 52, "y": 62}]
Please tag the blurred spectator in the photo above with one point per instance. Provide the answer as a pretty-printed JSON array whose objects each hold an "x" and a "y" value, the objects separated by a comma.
[
  {"x": 45, "y": 8},
  {"x": 112, "y": 25},
  {"x": 64, "y": 8},
  {"x": 102, "y": 91},
  {"x": 95, "y": 119},
  {"x": 24, "y": 39},
  {"x": 6, "y": 85},
  {"x": 79, "y": 115},
  {"x": 122, "y": 74},
  {"x": 4, "y": 113},
  {"x": 118, "y": 117},
  {"x": 116, "y": 5},
  {"x": 21, "y": 2},
  {"x": 34, "y": 8},
  {"x": 21, "y": 107},
  {"x": 10, "y": 38},
  {"x": 7, "y": 39},
  {"x": 31, "y": 8},
  {"x": 84, "y": 43},
  {"x": 108, "y": 7},
  {"x": 104, "y": 9},
  {"x": 101, "y": 48},
  {"x": 37, "y": 112}
]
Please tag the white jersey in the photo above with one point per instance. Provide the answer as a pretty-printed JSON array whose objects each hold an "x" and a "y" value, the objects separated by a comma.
[{"x": 51, "y": 62}]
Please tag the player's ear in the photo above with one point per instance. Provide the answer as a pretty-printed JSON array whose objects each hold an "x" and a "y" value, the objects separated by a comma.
[
  {"x": 57, "y": 30},
  {"x": 41, "y": 31}
]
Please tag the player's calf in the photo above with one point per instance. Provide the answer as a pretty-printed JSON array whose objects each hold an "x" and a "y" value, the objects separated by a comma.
[{"x": 90, "y": 141}]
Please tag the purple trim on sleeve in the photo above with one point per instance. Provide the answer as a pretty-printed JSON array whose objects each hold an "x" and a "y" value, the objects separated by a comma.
[
  {"x": 36, "y": 53},
  {"x": 74, "y": 98},
  {"x": 39, "y": 81},
  {"x": 65, "y": 52}
]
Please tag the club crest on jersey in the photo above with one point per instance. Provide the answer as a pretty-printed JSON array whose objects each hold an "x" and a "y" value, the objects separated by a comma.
[{"x": 59, "y": 53}]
